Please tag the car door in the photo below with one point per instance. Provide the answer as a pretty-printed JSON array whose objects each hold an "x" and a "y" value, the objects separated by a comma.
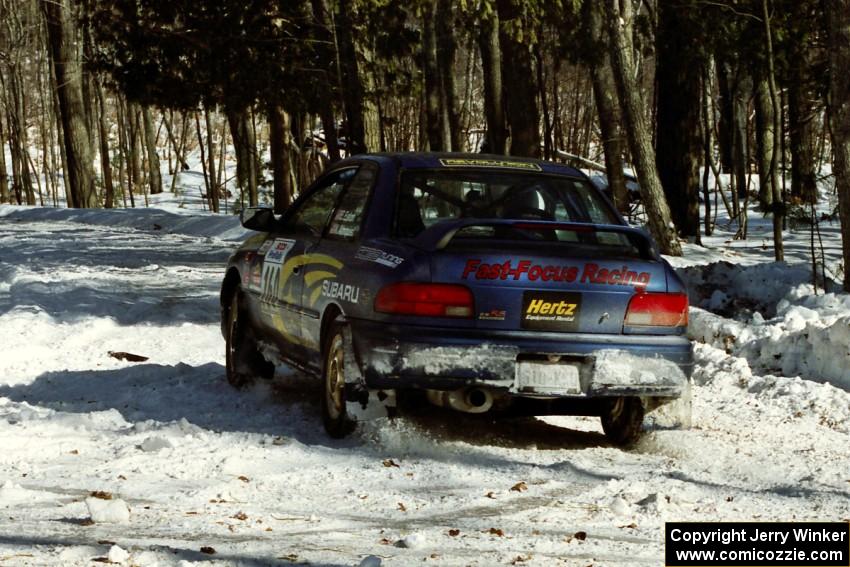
[
  {"x": 335, "y": 274},
  {"x": 289, "y": 256}
]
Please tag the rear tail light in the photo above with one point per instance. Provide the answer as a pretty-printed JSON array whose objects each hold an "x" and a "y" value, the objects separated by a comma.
[
  {"x": 658, "y": 310},
  {"x": 425, "y": 300}
]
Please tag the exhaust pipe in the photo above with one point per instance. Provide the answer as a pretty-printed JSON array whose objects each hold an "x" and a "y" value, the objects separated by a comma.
[{"x": 468, "y": 400}]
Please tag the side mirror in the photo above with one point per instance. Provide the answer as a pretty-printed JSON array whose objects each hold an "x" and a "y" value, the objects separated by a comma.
[{"x": 260, "y": 219}]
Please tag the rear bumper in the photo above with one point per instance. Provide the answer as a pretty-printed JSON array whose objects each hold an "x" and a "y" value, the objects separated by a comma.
[{"x": 396, "y": 356}]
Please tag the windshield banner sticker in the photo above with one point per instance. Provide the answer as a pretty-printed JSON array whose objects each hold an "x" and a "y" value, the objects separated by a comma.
[
  {"x": 498, "y": 163},
  {"x": 590, "y": 273}
]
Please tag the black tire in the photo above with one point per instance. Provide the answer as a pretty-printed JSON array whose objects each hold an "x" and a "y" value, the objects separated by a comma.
[
  {"x": 338, "y": 423},
  {"x": 243, "y": 360},
  {"x": 623, "y": 421}
]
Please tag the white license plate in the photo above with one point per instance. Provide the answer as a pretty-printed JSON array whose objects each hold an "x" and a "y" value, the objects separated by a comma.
[{"x": 547, "y": 378}]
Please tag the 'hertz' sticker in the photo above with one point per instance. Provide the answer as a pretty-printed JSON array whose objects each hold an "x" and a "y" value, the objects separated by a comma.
[
  {"x": 494, "y": 163},
  {"x": 550, "y": 310}
]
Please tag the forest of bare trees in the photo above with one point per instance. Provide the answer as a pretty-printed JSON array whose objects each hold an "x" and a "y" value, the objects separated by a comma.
[{"x": 100, "y": 99}]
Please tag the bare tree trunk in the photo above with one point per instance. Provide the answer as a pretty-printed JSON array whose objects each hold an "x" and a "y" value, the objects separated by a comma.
[
  {"x": 246, "y": 150},
  {"x": 105, "y": 165},
  {"x": 279, "y": 140},
  {"x": 22, "y": 135},
  {"x": 352, "y": 87},
  {"x": 707, "y": 126},
  {"x": 213, "y": 185},
  {"x": 446, "y": 53},
  {"x": 765, "y": 142},
  {"x": 326, "y": 56},
  {"x": 134, "y": 159},
  {"x": 839, "y": 115},
  {"x": 778, "y": 203},
  {"x": 180, "y": 159},
  {"x": 68, "y": 72},
  {"x": 607, "y": 104},
  {"x": 657, "y": 211},
  {"x": 4, "y": 177},
  {"x": 208, "y": 182},
  {"x": 491, "y": 64},
  {"x": 436, "y": 123},
  {"x": 678, "y": 146},
  {"x": 154, "y": 173},
  {"x": 548, "y": 150},
  {"x": 520, "y": 93}
]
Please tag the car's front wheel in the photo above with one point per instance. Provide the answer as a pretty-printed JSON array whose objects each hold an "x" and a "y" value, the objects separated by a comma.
[
  {"x": 622, "y": 421},
  {"x": 243, "y": 360},
  {"x": 338, "y": 423}
]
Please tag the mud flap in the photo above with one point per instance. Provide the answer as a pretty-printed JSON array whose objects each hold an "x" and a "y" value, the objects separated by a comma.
[{"x": 361, "y": 403}]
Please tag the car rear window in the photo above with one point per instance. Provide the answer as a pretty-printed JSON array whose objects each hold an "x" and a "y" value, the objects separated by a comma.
[{"x": 427, "y": 197}]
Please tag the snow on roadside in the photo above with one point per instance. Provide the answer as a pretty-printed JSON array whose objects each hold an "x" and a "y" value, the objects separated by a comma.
[
  {"x": 770, "y": 315},
  {"x": 172, "y": 221}
]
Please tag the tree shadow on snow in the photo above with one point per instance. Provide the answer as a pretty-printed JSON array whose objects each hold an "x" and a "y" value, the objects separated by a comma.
[
  {"x": 114, "y": 276},
  {"x": 288, "y": 407},
  {"x": 198, "y": 394}
]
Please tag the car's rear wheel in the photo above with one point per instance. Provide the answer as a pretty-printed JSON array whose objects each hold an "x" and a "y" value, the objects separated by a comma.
[
  {"x": 622, "y": 422},
  {"x": 338, "y": 423},
  {"x": 243, "y": 360}
]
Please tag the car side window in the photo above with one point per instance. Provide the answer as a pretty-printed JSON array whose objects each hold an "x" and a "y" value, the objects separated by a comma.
[
  {"x": 313, "y": 213},
  {"x": 348, "y": 217}
]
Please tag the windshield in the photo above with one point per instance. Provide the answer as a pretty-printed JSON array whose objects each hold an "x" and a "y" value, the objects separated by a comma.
[{"x": 427, "y": 197}]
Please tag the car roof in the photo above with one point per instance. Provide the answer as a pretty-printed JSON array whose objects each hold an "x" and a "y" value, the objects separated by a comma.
[{"x": 448, "y": 160}]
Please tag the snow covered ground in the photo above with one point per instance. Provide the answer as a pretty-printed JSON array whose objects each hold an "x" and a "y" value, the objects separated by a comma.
[{"x": 160, "y": 462}]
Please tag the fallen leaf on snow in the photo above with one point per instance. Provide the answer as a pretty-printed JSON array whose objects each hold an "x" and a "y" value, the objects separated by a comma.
[
  {"x": 128, "y": 356},
  {"x": 240, "y": 516},
  {"x": 490, "y": 495},
  {"x": 390, "y": 463},
  {"x": 208, "y": 550},
  {"x": 103, "y": 495},
  {"x": 244, "y": 478},
  {"x": 496, "y": 532},
  {"x": 520, "y": 487},
  {"x": 454, "y": 532},
  {"x": 402, "y": 507},
  {"x": 581, "y": 536}
]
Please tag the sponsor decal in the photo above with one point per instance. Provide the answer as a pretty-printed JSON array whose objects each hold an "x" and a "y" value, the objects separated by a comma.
[
  {"x": 589, "y": 273},
  {"x": 256, "y": 275},
  {"x": 278, "y": 251},
  {"x": 492, "y": 315},
  {"x": 341, "y": 291},
  {"x": 378, "y": 257},
  {"x": 265, "y": 247},
  {"x": 496, "y": 163},
  {"x": 550, "y": 310}
]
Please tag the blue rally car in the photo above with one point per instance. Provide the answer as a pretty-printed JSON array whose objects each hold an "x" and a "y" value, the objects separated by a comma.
[{"x": 485, "y": 283}]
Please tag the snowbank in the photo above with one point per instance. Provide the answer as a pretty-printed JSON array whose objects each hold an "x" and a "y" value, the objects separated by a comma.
[{"x": 225, "y": 227}]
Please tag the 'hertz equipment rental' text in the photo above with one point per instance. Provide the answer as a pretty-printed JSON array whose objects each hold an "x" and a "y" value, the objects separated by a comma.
[{"x": 757, "y": 544}]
